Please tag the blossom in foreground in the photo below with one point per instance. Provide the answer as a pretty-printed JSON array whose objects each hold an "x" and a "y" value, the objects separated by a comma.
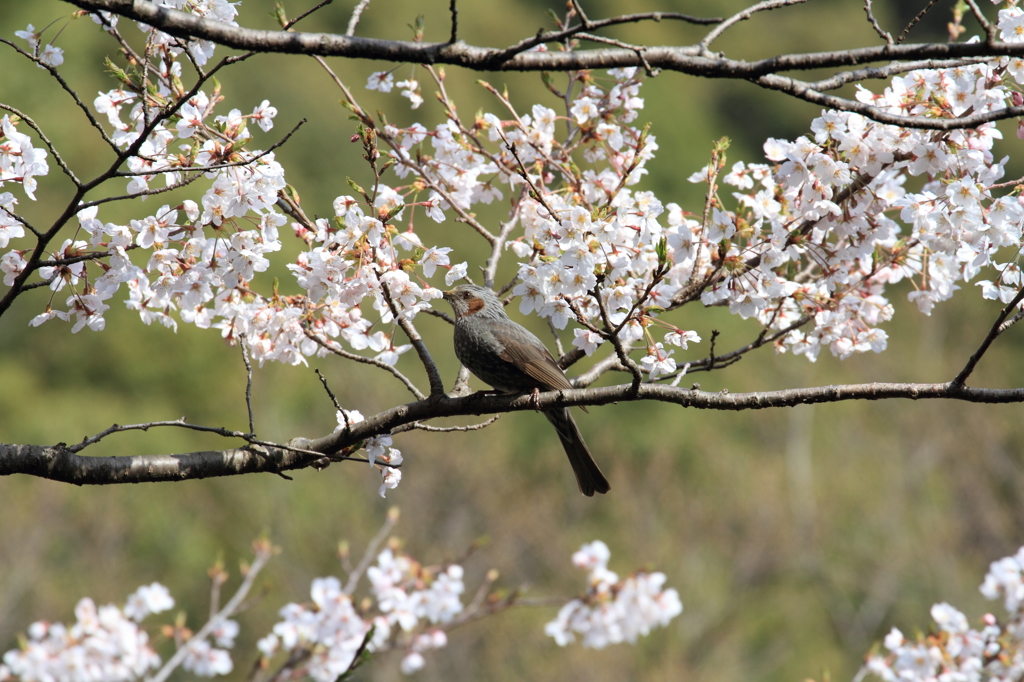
[
  {"x": 613, "y": 611},
  {"x": 954, "y": 651},
  {"x": 104, "y": 643}
]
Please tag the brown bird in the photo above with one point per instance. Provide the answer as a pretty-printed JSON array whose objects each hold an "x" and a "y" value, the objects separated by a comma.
[{"x": 511, "y": 359}]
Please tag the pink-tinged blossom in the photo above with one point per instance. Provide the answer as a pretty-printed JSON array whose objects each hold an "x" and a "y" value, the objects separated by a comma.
[
  {"x": 20, "y": 161},
  {"x": 52, "y": 56},
  {"x": 264, "y": 115},
  {"x": 587, "y": 340},
  {"x": 682, "y": 338},
  {"x": 455, "y": 273},
  {"x": 434, "y": 257},
  {"x": 103, "y": 644},
  {"x": 30, "y": 36},
  {"x": 153, "y": 598},
  {"x": 205, "y": 660},
  {"x": 614, "y": 610},
  {"x": 380, "y": 80},
  {"x": 658, "y": 362},
  {"x": 411, "y": 90},
  {"x": 584, "y": 109}
]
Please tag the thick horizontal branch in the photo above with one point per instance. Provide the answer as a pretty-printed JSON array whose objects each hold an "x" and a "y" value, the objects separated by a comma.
[
  {"x": 58, "y": 463},
  {"x": 478, "y": 403},
  {"x": 685, "y": 59}
]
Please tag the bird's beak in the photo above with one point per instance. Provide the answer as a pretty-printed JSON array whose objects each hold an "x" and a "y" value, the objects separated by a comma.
[{"x": 446, "y": 295}]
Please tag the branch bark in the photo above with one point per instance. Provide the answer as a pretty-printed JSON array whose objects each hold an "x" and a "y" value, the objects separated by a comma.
[
  {"x": 694, "y": 60},
  {"x": 58, "y": 463}
]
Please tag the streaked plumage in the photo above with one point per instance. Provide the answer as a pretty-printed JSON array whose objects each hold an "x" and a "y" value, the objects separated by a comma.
[{"x": 511, "y": 359}]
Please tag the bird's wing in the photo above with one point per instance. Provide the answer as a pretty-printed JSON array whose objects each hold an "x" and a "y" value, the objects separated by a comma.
[{"x": 537, "y": 363}]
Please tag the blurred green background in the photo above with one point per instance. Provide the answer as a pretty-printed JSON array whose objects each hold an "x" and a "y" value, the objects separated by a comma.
[{"x": 795, "y": 537}]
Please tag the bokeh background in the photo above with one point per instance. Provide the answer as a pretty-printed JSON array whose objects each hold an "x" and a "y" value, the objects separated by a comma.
[{"x": 796, "y": 538}]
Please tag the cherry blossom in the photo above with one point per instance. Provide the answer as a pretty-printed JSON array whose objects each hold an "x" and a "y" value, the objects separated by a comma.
[
  {"x": 614, "y": 610},
  {"x": 955, "y": 651}
]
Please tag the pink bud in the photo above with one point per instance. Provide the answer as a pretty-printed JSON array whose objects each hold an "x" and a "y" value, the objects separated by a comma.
[
  {"x": 1020, "y": 129},
  {"x": 1017, "y": 98}
]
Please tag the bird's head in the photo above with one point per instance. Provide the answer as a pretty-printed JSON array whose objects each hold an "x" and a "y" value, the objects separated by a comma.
[{"x": 470, "y": 299}]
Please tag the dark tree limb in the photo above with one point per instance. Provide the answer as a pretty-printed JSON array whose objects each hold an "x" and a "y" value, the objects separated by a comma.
[
  {"x": 693, "y": 60},
  {"x": 58, "y": 463}
]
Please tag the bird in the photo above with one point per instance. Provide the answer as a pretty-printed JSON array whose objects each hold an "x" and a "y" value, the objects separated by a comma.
[{"x": 511, "y": 359}]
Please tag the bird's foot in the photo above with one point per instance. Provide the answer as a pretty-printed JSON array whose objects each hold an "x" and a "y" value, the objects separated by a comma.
[{"x": 535, "y": 398}]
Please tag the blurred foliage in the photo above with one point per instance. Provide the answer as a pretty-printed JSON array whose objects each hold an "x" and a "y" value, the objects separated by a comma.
[{"x": 796, "y": 537}]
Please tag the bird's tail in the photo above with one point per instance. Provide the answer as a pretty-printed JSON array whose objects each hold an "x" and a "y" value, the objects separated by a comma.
[{"x": 588, "y": 474}]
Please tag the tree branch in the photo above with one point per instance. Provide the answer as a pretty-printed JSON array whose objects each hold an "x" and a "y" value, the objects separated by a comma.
[
  {"x": 693, "y": 60},
  {"x": 996, "y": 330},
  {"x": 58, "y": 463}
]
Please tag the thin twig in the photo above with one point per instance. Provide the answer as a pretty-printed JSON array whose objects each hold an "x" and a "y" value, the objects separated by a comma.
[
  {"x": 371, "y": 550},
  {"x": 560, "y": 36},
  {"x": 118, "y": 428},
  {"x": 743, "y": 16},
  {"x": 608, "y": 363},
  {"x": 42, "y": 136},
  {"x": 354, "y": 19},
  {"x": 433, "y": 376},
  {"x": 763, "y": 339},
  {"x": 21, "y": 220},
  {"x": 996, "y": 329},
  {"x": 453, "y": 8},
  {"x": 914, "y": 21},
  {"x": 68, "y": 89},
  {"x": 986, "y": 25},
  {"x": 332, "y": 346},
  {"x": 637, "y": 49},
  {"x": 217, "y": 166},
  {"x": 620, "y": 348},
  {"x": 1012, "y": 321},
  {"x": 887, "y": 71},
  {"x": 885, "y": 35},
  {"x": 96, "y": 255},
  {"x": 145, "y": 193},
  {"x": 248, "y": 383},
  {"x": 558, "y": 339},
  {"x": 263, "y": 554},
  {"x": 461, "y": 387},
  {"x": 584, "y": 21},
  {"x": 330, "y": 393},
  {"x": 321, "y": 5},
  {"x": 418, "y": 426},
  {"x": 491, "y": 267}
]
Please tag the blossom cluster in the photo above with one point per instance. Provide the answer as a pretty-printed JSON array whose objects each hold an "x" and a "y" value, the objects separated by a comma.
[
  {"x": 409, "y": 608},
  {"x": 955, "y": 651},
  {"x": 807, "y": 244},
  {"x": 814, "y": 237},
  {"x": 199, "y": 50},
  {"x": 613, "y": 610},
  {"x": 378, "y": 449},
  {"x": 409, "y": 601},
  {"x": 105, "y": 643},
  {"x": 579, "y": 232}
]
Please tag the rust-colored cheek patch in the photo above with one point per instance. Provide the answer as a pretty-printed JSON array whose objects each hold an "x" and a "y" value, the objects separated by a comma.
[{"x": 475, "y": 305}]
